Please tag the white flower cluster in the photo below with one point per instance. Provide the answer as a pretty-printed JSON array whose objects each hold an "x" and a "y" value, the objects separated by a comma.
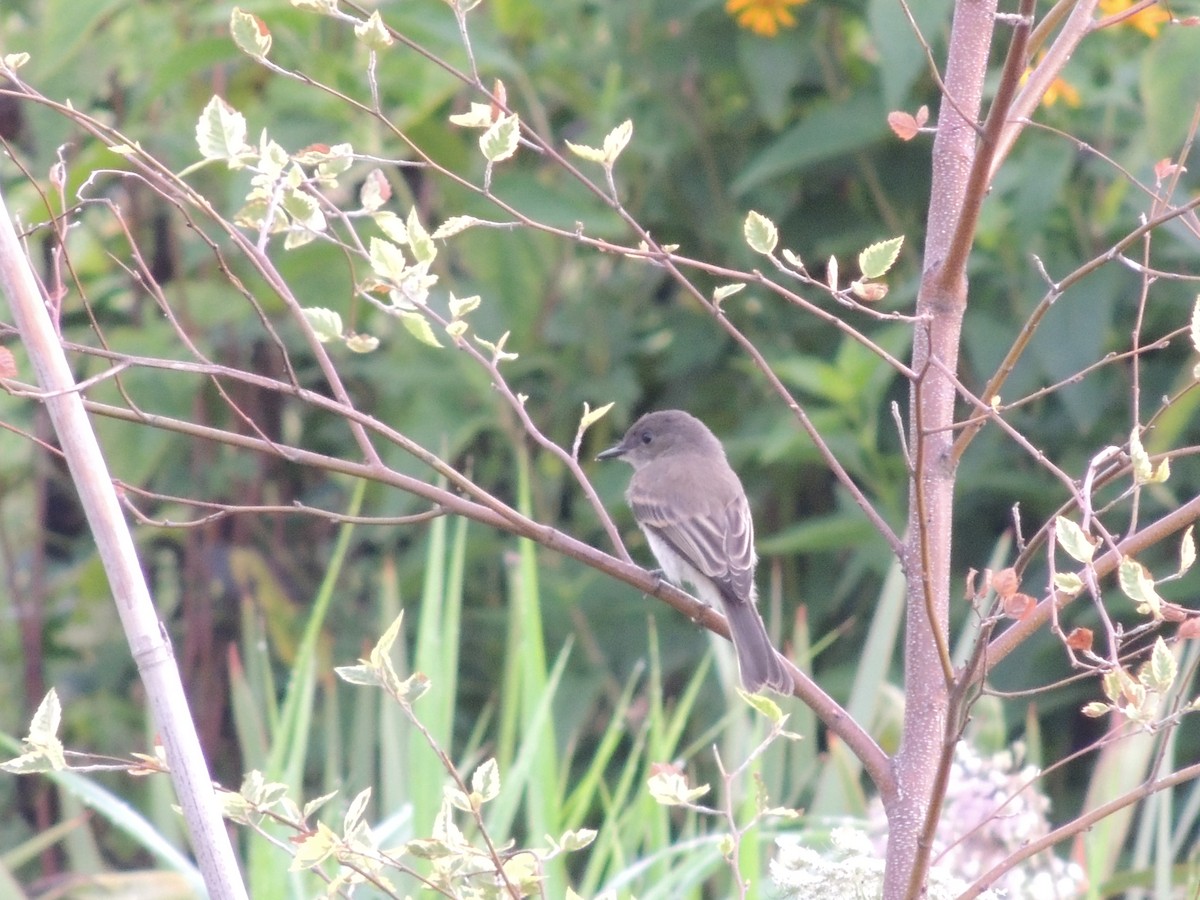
[
  {"x": 992, "y": 808},
  {"x": 851, "y": 867}
]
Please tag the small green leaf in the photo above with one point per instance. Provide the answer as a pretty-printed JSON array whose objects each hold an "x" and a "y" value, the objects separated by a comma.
[
  {"x": 460, "y": 307},
  {"x": 375, "y": 191},
  {"x": 326, "y": 323},
  {"x": 583, "y": 151},
  {"x": 325, "y": 7},
  {"x": 760, "y": 232},
  {"x": 1196, "y": 324},
  {"x": 480, "y": 116},
  {"x": 1072, "y": 539},
  {"x": 616, "y": 141},
  {"x": 1142, "y": 468},
  {"x": 485, "y": 780},
  {"x": 1162, "y": 668},
  {"x": 418, "y": 326},
  {"x": 422, "y": 246},
  {"x": 221, "y": 132},
  {"x": 592, "y": 416},
  {"x": 1187, "y": 550},
  {"x": 391, "y": 225},
  {"x": 764, "y": 705},
  {"x": 1139, "y": 587},
  {"x": 499, "y": 142},
  {"x": 14, "y": 61},
  {"x": 455, "y": 225},
  {"x": 727, "y": 290},
  {"x": 1095, "y": 709},
  {"x": 250, "y": 33},
  {"x": 387, "y": 260},
  {"x": 877, "y": 259},
  {"x": 373, "y": 33},
  {"x": 361, "y": 343},
  {"x": 1068, "y": 583}
]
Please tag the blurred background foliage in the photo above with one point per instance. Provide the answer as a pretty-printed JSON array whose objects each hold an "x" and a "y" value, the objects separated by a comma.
[{"x": 725, "y": 120}]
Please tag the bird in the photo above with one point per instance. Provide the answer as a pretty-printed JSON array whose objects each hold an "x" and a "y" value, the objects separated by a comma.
[{"x": 691, "y": 506}]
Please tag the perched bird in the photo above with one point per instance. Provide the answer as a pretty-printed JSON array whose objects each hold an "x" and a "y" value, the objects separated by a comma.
[{"x": 693, "y": 510}]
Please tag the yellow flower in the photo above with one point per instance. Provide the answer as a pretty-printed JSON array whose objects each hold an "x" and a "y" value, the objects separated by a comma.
[
  {"x": 1147, "y": 20},
  {"x": 763, "y": 17},
  {"x": 1061, "y": 89}
]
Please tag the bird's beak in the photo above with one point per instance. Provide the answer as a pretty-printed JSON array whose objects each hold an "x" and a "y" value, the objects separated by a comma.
[{"x": 612, "y": 452}]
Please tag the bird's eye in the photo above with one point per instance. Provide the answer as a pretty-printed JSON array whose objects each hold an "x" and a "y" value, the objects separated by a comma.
[{"x": 647, "y": 437}]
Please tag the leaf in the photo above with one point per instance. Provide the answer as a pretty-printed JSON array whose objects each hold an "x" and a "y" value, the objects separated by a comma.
[
  {"x": 500, "y": 141},
  {"x": 418, "y": 326},
  {"x": 760, "y": 233},
  {"x": 373, "y": 33},
  {"x": 879, "y": 257},
  {"x": 391, "y": 225},
  {"x": 387, "y": 260},
  {"x": 422, "y": 246},
  {"x": 1187, "y": 550},
  {"x": 361, "y": 343},
  {"x": 1196, "y": 324},
  {"x": 326, "y": 323},
  {"x": 591, "y": 416},
  {"x": 464, "y": 306},
  {"x": 1068, "y": 583},
  {"x": 583, "y": 151},
  {"x": 1072, "y": 539},
  {"x": 1142, "y": 468},
  {"x": 455, "y": 225},
  {"x": 375, "y": 191},
  {"x": 485, "y": 780},
  {"x": 480, "y": 116},
  {"x": 250, "y": 33},
  {"x": 616, "y": 141},
  {"x": 221, "y": 132},
  {"x": 831, "y": 273},
  {"x": 1138, "y": 586},
  {"x": 727, "y": 290},
  {"x": 1162, "y": 667}
]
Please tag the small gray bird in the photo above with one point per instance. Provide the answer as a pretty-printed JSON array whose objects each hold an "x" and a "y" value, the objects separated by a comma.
[{"x": 693, "y": 510}]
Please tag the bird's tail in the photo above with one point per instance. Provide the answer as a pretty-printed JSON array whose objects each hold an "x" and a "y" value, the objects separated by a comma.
[{"x": 759, "y": 663}]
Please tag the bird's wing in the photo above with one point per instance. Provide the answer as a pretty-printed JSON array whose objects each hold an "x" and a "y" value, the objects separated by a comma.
[{"x": 716, "y": 537}]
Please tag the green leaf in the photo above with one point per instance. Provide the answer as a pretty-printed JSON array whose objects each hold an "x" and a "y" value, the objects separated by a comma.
[
  {"x": 877, "y": 259},
  {"x": 1196, "y": 324},
  {"x": 592, "y": 416},
  {"x": 828, "y": 132},
  {"x": 1168, "y": 85},
  {"x": 374, "y": 33},
  {"x": 727, "y": 290},
  {"x": 1068, "y": 583},
  {"x": 1072, "y": 539},
  {"x": 418, "y": 326},
  {"x": 583, "y": 151},
  {"x": 1187, "y": 550},
  {"x": 455, "y": 225},
  {"x": 387, "y": 260},
  {"x": 250, "y": 33},
  {"x": 499, "y": 142},
  {"x": 422, "y": 246},
  {"x": 760, "y": 233},
  {"x": 326, "y": 323},
  {"x": 221, "y": 132},
  {"x": 1162, "y": 668},
  {"x": 485, "y": 780},
  {"x": 617, "y": 140},
  {"x": 1138, "y": 586}
]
